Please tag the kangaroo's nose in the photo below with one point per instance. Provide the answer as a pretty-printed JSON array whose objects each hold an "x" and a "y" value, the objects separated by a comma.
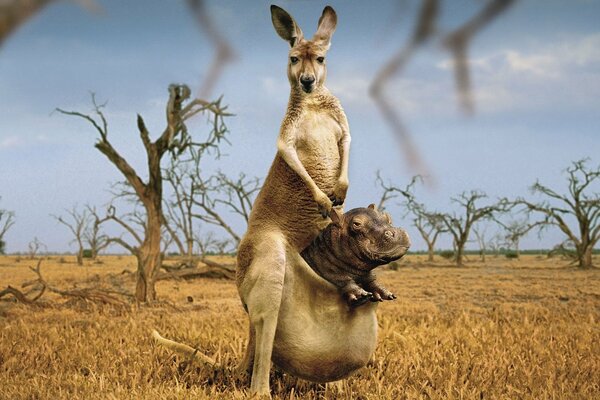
[{"x": 307, "y": 80}]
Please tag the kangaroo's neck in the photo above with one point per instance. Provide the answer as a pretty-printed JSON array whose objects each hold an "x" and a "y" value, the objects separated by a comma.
[{"x": 299, "y": 99}]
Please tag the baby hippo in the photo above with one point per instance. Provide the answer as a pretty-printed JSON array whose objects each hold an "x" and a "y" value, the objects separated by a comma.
[{"x": 348, "y": 249}]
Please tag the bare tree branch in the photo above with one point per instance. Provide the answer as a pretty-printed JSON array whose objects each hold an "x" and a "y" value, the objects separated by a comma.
[
  {"x": 175, "y": 139},
  {"x": 7, "y": 220},
  {"x": 583, "y": 207},
  {"x": 429, "y": 224},
  {"x": 78, "y": 225},
  {"x": 459, "y": 226},
  {"x": 96, "y": 240}
]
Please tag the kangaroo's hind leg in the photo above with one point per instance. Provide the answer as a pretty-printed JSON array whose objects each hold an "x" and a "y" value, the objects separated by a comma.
[{"x": 261, "y": 292}]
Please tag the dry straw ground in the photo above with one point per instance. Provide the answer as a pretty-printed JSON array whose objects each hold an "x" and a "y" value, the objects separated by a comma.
[{"x": 506, "y": 330}]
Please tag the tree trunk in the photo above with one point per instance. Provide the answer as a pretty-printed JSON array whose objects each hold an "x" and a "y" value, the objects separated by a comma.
[
  {"x": 430, "y": 252},
  {"x": 517, "y": 250},
  {"x": 149, "y": 263},
  {"x": 80, "y": 256},
  {"x": 149, "y": 253},
  {"x": 460, "y": 248},
  {"x": 585, "y": 256},
  {"x": 190, "y": 250}
]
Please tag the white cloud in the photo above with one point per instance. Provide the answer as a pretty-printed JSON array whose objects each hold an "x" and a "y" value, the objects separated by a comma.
[
  {"x": 560, "y": 75},
  {"x": 350, "y": 89},
  {"x": 10, "y": 142},
  {"x": 274, "y": 86},
  {"x": 540, "y": 65}
]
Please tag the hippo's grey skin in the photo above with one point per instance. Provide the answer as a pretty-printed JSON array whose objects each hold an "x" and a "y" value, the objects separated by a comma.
[{"x": 348, "y": 249}]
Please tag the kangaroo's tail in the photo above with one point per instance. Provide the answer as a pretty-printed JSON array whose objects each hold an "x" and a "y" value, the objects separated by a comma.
[{"x": 194, "y": 354}]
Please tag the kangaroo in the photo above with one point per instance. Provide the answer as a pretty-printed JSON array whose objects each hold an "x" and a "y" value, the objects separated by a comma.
[{"x": 307, "y": 178}]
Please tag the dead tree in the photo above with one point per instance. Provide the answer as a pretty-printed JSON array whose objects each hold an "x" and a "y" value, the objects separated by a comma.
[
  {"x": 429, "y": 224},
  {"x": 135, "y": 237},
  {"x": 515, "y": 230},
  {"x": 481, "y": 242},
  {"x": 34, "y": 247},
  {"x": 198, "y": 200},
  {"x": 78, "y": 225},
  {"x": 580, "y": 204},
  {"x": 7, "y": 220},
  {"x": 95, "y": 239},
  {"x": 174, "y": 139},
  {"x": 430, "y": 227},
  {"x": 220, "y": 194},
  {"x": 36, "y": 289},
  {"x": 496, "y": 243},
  {"x": 208, "y": 243},
  {"x": 179, "y": 220},
  {"x": 459, "y": 226}
]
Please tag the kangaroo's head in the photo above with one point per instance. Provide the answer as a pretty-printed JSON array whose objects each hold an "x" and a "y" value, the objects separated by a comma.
[{"x": 306, "y": 62}]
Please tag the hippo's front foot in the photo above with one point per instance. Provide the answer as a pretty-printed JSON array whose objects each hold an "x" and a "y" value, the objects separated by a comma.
[
  {"x": 380, "y": 293},
  {"x": 355, "y": 295}
]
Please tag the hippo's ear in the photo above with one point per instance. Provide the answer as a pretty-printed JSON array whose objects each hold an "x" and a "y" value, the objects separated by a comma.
[
  {"x": 336, "y": 216},
  {"x": 372, "y": 206}
]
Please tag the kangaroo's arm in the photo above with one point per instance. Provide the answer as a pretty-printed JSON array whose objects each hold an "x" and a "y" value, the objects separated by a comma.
[
  {"x": 339, "y": 192},
  {"x": 286, "y": 148}
]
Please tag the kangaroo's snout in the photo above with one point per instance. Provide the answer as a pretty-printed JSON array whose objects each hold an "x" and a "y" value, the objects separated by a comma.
[{"x": 307, "y": 83}]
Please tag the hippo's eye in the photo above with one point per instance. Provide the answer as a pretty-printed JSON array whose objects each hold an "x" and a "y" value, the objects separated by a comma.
[
  {"x": 320, "y": 60},
  {"x": 293, "y": 60},
  {"x": 356, "y": 225}
]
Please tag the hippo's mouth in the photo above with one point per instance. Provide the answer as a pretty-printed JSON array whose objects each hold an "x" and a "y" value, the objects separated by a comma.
[{"x": 392, "y": 255}]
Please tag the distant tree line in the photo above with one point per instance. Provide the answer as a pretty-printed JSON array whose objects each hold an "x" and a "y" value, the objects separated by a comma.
[{"x": 575, "y": 213}]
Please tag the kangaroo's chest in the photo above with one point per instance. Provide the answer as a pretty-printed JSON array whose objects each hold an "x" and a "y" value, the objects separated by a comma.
[{"x": 317, "y": 142}]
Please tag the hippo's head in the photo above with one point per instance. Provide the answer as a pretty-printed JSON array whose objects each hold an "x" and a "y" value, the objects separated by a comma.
[{"x": 366, "y": 238}]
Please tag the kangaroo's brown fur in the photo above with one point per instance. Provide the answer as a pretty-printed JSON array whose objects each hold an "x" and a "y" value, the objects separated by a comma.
[
  {"x": 298, "y": 319},
  {"x": 308, "y": 176}
]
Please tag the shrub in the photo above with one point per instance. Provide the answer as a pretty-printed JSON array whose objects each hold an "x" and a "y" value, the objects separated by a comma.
[
  {"x": 394, "y": 266},
  {"x": 447, "y": 254},
  {"x": 511, "y": 255},
  {"x": 87, "y": 253}
]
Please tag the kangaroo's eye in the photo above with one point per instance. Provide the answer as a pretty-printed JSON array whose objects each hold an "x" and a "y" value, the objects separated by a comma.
[
  {"x": 293, "y": 60},
  {"x": 320, "y": 60}
]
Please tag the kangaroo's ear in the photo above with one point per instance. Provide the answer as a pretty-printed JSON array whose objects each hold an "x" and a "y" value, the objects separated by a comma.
[
  {"x": 336, "y": 216},
  {"x": 285, "y": 26},
  {"x": 326, "y": 27}
]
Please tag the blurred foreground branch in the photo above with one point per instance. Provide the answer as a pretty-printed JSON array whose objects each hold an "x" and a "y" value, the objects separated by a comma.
[{"x": 457, "y": 42}]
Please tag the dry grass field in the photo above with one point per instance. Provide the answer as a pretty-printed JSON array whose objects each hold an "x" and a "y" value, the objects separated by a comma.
[{"x": 505, "y": 330}]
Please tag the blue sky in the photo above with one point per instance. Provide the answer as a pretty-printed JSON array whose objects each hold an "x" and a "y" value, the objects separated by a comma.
[{"x": 536, "y": 75}]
